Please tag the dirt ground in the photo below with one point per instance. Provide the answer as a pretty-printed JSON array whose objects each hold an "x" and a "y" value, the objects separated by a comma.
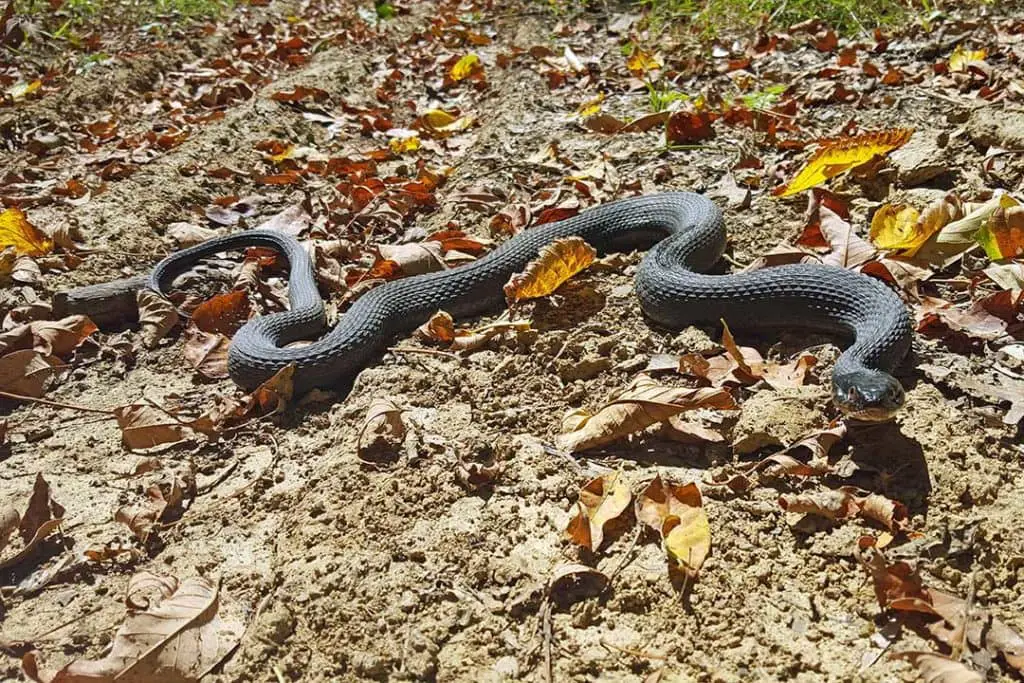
[{"x": 342, "y": 567}]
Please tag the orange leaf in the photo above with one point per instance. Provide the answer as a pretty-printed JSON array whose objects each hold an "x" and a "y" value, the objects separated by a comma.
[
  {"x": 223, "y": 314},
  {"x": 556, "y": 263},
  {"x": 677, "y": 513},
  {"x": 602, "y": 500},
  {"x": 839, "y": 155}
]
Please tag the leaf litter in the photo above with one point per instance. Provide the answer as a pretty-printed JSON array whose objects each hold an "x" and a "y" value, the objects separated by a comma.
[{"x": 368, "y": 168}]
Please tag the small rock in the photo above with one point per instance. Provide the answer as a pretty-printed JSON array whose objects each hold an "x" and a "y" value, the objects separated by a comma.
[
  {"x": 920, "y": 160},
  {"x": 1012, "y": 357},
  {"x": 693, "y": 340},
  {"x": 778, "y": 418},
  {"x": 991, "y": 127}
]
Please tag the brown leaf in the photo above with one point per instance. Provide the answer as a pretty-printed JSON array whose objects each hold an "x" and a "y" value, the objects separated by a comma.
[
  {"x": 176, "y": 639},
  {"x": 9, "y": 521},
  {"x": 677, "y": 513},
  {"x": 640, "y": 405},
  {"x": 49, "y": 337},
  {"x": 415, "y": 258},
  {"x": 896, "y": 581},
  {"x": 384, "y": 422},
  {"x": 556, "y": 263},
  {"x": 848, "y": 248},
  {"x": 936, "y": 668},
  {"x": 41, "y": 509},
  {"x": 688, "y": 126},
  {"x": 143, "y": 426},
  {"x": 25, "y": 372},
  {"x": 157, "y": 316},
  {"x": 829, "y": 503},
  {"x": 983, "y": 629},
  {"x": 601, "y": 501},
  {"x": 440, "y": 328},
  {"x": 223, "y": 314},
  {"x": 207, "y": 352}
]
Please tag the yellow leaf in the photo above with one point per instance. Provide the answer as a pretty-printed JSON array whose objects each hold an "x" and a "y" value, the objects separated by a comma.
[
  {"x": 17, "y": 232},
  {"x": 642, "y": 61},
  {"x": 601, "y": 500},
  {"x": 842, "y": 154},
  {"x": 962, "y": 58},
  {"x": 556, "y": 263},
  {"x": 466, "y": 66},
  {"x": 286, "y": 154},
  {"x": 591, "y": 106},
  {"x": 438, "y": 121},
  {"x": 677, "y": 513},
  {"x": 642, "y": 404},
  {"x": 894, "y": 226},
  {"x": 22, "y": 90},
  {"x": 401, "y": 145}
]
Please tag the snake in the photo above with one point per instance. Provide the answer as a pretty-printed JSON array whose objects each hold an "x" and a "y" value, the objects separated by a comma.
[{"x": 684, "y": 236}]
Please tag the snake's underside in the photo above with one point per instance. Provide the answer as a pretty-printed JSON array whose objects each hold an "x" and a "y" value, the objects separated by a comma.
[{"x": 688, "y": 238}]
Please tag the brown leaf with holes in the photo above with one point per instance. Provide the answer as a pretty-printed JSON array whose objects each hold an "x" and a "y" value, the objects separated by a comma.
[
  {"x": 602, "y": 500},
  {"x": 177, "y": 635},
  {"x": 642, "y": 404},
  {"x": 157, "y": 316},
  {"x": 223, "y": 314},
  {"x": 556, "y": 263},
  {"x": 677, "y": 514}
]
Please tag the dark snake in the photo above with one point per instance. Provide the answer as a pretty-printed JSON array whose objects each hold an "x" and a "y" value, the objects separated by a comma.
[{"x": 688, "y": 237}]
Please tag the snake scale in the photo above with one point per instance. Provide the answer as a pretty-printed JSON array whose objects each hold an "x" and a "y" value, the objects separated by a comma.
[{"x": 688, "y": 237}]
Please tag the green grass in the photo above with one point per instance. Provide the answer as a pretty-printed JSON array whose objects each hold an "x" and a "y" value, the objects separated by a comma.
[
  {"x": 71, "y": 15},
  {"x": 844, "y": 15}
]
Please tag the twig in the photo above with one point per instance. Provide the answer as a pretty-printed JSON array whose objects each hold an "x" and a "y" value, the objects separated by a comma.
[
  {"x": 428, "y": 352},
  {"x": 626, "y": 558},
  {"x": 56, "y": 404},
  {"x": 546, "y": 617},
  {"x": 629, "y": 651},
  {"x": 961, "y": 645}
]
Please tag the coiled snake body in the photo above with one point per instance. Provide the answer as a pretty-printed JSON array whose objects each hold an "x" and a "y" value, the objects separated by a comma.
[{"x": 688, "y": 235}]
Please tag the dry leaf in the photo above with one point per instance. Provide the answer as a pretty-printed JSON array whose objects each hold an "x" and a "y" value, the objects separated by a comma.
[
  {"x": 843, "y": 504},
  {"x": 440, "y": 328},
  {"x": 157, "y": 316},
  {"x": 901, "y": 228},
  {"x": 571, "y": 583},
  {"x": 48, "y": 337},
  {"x": 601, "y": 500},
  {"x": 1002, "y": 236},
  {"x": 384, "y": 422},
  {"x": 41, "y": 508},
  {"x": 556, "y": 263},
  {"x": 641, "y": 61},
  {"x": 677, "y": 513},
  {"x": 842, "y": 154},
  {"x": 17, "y": 232},
  {"x": 223, "y": 314},
  {"x": 9, "y": 521},
  {"x": 177, "y": 639},
  {"x": 143, "y": 426},
  {"x": 25, "y": 372},
  {"x": 207, "y": 352},
  {"x": 962, "y": 58},
  {"x": 936, "y": 668},
  {"x": 643, "y": 403},
  {"x": 467, "y": 66}
]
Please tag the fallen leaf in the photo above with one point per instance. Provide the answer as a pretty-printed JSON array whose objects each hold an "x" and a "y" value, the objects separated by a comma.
[
  {"x": 677, "y": 514},
  {"x": 414, "y": 258},
  {"x": 687, "y": 126},
  {"x": 641, "y": 61},
  {"x": 384, "y": 422},
  {"x": 157, "y": 316},
  {"x": 144, "y": 426},
  {"x": 959, "y": 236},
  {"x": 9, "y": 521},
  {"x": 143, "y": 517},
  {"x": 601, "y": 501},
  {"x": 556, "y": 263},
  {"x": 962, "y": 58},
  {"x": 41, "y": 508},
  {"x": 25, "y": 372},
  {"x": 179, "y": 638},
  {"x": 467, "y": 66},
  {"x": 841, "y": 504},
  {"x": 838, "y": 155},
  {"x": 571, "y": 583},
  {"x": 894, "y": 582},
  {"x": 936, "y": 668},
  {"x": 17, "y": 232},
  {"x": 641, "y": 404},
  {"x": 1002, "y": 235},
  {"x": 207, "y": 352},
  {"x": 223, "y": 314}
]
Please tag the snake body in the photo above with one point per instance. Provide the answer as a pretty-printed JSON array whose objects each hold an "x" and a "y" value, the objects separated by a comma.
[{"x": 688, "y": 237}]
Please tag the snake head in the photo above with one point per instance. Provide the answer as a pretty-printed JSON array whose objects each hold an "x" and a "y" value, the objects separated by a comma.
[{"x": 869, "y": 395}]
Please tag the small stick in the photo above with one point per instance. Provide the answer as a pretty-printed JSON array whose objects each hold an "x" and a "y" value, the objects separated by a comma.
[
  {"x": 546, "y": 615},
  {"x": 56, "y": 404},
  {"x": 629, "y": 651},
  {"x": 429, "y": 352}
]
